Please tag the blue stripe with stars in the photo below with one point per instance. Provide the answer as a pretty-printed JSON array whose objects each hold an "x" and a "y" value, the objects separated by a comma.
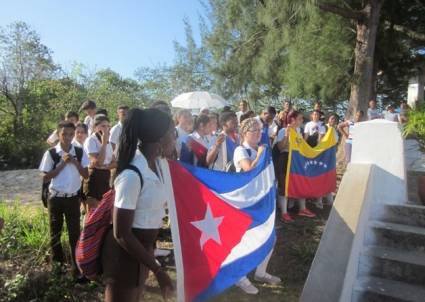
[{"x": 312, "y": 167}]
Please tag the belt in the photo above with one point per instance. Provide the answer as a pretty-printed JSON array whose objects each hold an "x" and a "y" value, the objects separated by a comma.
[{"x": 63, "y": 195}]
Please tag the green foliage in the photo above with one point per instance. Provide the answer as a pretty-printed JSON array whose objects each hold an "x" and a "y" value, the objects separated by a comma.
[
  {"x": 415, "y": 125},
  {"x": 24, "y": 245}
]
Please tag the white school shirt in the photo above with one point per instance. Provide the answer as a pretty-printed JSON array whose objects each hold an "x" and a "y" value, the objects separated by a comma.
[
  {"x": 313, "y": 127},
  {"x": 239, "y": 114},
  {"x": 281, "y": 135},
  {"x": 242, "y": 153},
  {"x": 68, "y": 181},
  {"x": 114, "y": 137},
  {"x": 149, "y": 203},
  {"x": 391, "y": 116},
  {"x": 77, "y": 144},
  {"x": 89, "y": 121},
  {"x": 93, "y": 145},
  {"x": 53, "y": 138}
]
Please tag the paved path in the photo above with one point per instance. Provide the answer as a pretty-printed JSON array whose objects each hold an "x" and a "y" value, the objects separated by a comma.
[{"x": 22, "y": 185}]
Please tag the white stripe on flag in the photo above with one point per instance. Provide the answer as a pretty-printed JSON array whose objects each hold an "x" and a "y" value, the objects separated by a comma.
[
  {"x": 252, "y": 240},
  {"x": 253, "y": 191}
]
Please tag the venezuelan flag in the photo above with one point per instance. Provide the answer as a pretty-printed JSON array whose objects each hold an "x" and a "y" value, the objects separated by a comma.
[{"x": 311, "y": 172}]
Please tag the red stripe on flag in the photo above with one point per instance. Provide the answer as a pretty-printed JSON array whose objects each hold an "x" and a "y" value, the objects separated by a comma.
[
  {"x": 191, "y": 199},
  {"x": 311, "y": 187}
]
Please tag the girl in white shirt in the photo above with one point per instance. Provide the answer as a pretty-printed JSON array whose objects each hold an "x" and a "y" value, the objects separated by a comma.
[
  {"x": 81, "y": 133},
  {"x": 102, "y": 160},
  {"x": 127, "y": 253},
  {"x": 245, "y": 159},
  {"x": 280, "y": 159}
]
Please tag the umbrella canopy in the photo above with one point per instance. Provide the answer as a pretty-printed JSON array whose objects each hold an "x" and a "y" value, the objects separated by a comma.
[{"x": 198, "y": 100}]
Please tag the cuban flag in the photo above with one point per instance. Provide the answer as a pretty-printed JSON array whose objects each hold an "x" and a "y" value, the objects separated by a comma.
[
  {"x": 311, "y": 172},
  {"x": 222, "y": 225},
  {"x": 193, "y": 151}
]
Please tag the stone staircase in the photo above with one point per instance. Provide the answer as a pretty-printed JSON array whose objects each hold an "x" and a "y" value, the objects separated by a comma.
[{"x": 392, "y": 261}]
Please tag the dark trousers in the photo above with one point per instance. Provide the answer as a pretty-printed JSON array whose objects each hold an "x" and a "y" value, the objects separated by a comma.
[{"x": 58, "y": 208}]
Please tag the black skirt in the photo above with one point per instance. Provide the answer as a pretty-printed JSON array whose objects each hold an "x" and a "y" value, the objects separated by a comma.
[
  {"x": 119, "y": 267},
  {"x": 280, "y": 162},
  {"x": 98, "y": 183}
]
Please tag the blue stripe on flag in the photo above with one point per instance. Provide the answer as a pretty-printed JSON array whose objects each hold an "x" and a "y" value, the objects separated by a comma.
[
  {"x": 312, "y": 167},
  {"x": 233, "y": 272},
  {"x": 228, "y": 181},
  {"x": 261, "y": 210}
]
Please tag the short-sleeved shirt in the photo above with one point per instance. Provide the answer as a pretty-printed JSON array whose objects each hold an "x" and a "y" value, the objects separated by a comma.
[
  {"x": 241, "y": 153},
  {"x": 281, "y": 135},
  {"x": 92, "y": 145},
  {"x": 77, "y": 144},
  {"x": 314, "y": 127},
  {"x": 373, "y": 114},
  {"x": 391, "y": 116},
  {"x": 89, "y": 121},
  {"x": 53, "y": 138},
  {"x": 114, "y": 137},
  {"x": 68, "y": 181},
  {"x": 149, "y": 203}
]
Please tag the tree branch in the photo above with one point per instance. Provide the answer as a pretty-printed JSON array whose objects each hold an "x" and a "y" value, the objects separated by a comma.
[
  {"x": 409, "y": 32},
  {"x": 343, "y": 12}
]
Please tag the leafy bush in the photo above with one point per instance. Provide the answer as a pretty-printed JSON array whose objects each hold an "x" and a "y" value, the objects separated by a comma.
[
  {"x": 415, "y": 125},
  {"x": 26, "y": 274}
]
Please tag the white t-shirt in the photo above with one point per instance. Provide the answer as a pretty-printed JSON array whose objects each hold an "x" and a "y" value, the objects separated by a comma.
[
  {"x": 68, "y": 181},
  {"x": 149, "y": 203},
  {"x": 92, "y": 145},
  {"x": 89, "y": 121},
  {"x": 114, "y": 137},
  {"x": 391, "y": 116},
  {"x": 313, "y": 127},
  {"x": 239, "y": 114},
  {"x": 373, "y": 114},
  {"x": 241, "y": 153}
]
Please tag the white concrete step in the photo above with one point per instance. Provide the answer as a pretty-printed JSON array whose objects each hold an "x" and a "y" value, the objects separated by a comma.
[
  {"x": 372, "y": 289},
  {"x": 405, "y": 214},
  {"x": 393, "y": 264},
  {"x": 399, "y": 236}
]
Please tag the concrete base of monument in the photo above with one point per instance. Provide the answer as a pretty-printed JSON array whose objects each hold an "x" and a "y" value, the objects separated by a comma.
[{"x": 373, "y": 245}]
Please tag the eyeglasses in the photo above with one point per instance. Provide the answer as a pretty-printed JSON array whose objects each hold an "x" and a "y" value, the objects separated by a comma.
[{"x": 254, "y": 130}]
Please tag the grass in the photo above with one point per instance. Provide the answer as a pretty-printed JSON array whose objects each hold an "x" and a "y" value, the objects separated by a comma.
[{"x": 26, "y": 275}]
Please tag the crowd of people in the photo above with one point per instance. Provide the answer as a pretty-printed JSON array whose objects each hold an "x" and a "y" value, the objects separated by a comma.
[{"x": 87, "y": 158}]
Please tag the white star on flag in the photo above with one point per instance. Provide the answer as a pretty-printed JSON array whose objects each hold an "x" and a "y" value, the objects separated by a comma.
[{"x": 208, "y": 227}]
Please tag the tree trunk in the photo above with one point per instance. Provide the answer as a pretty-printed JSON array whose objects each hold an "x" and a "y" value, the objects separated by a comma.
[{"x": 363, "y": 83}]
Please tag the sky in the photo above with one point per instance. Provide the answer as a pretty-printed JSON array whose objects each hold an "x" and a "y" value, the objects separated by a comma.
[{"x": 118, "y": 34}]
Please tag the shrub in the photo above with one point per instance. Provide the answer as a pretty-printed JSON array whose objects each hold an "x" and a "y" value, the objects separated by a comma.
[{"x": 415, "y": 125}]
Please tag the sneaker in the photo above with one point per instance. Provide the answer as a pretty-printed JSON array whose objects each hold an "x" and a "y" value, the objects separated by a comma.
[
  {"x": 306, "y": 213},
  {"x": 319, "y": 204},
  {"x": 286, "y": 218},
  {"x": 247, "y": 286},
  {"x": 267, "y": 278}
]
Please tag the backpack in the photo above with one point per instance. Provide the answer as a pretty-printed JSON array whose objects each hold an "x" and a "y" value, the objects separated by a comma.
[
  {"x": 97, "y": 223},
  {"x": 230, "y": 166},
  {"x": 45, "y": 192}
]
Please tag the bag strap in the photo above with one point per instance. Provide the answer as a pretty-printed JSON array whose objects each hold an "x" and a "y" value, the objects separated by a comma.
[
  {"x": 78, "y": 153},
  {"x": 55, "y": 157},
  {"x": 135, "y": 169}
]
